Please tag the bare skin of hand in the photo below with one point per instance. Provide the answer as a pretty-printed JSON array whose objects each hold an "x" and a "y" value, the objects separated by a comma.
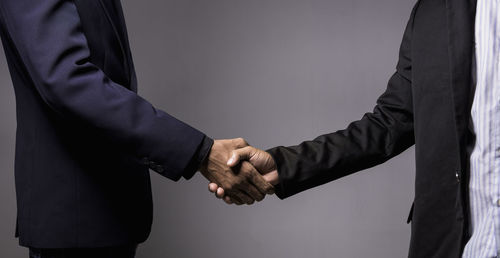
[
  {"x": 260, "y": 159},
  {"x": 242, "y": 182}
]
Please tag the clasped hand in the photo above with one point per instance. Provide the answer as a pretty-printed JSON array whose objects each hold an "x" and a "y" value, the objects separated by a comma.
[{"x": 239, "y": 173}]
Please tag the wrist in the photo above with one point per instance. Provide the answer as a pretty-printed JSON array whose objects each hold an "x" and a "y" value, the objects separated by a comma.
[{"x": 199, "y": 158}]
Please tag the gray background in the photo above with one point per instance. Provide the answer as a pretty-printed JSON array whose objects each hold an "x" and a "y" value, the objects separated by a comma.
[{"x": 276, "y": 73}]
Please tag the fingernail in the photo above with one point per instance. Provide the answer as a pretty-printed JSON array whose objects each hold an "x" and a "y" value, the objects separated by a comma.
[{"x": 230, "y": 161}]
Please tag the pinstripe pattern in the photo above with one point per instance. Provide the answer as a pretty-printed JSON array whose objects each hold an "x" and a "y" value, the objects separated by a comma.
[{"x": 484, "y": 183}]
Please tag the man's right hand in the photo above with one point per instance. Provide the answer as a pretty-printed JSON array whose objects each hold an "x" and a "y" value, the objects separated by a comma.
[
  {"x": 259, "y": 159},
  {"x": 241, "y": 182}
]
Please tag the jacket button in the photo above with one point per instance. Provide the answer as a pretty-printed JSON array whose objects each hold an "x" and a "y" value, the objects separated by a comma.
[
  {"x": 159, "y": 169},
  {"x": 145, "y": 161},
  {"x": 457, "y": 175}
]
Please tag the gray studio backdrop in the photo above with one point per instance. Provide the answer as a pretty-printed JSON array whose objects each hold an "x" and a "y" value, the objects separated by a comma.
[{"x": 275, "y": 72}]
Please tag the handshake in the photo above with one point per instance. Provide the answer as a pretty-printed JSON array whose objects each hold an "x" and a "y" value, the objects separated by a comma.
[{"x": 239, "y": 173}]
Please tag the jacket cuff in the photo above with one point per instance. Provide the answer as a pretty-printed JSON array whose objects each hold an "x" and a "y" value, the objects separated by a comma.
[
  {"x": 199, "y": 157},
  {"x": 169, "y": 145},
  {"x": 280, "y": 189}
]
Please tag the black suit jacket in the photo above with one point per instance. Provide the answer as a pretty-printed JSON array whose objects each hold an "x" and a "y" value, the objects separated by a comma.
[
  {"x": 85, "y": 139},
  {"x": 427, "y": 103}
]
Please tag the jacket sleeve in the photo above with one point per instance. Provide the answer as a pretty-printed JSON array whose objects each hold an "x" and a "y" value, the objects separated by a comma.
[
  {"x": 49, "y": 41},
  {"x": 377, "y": 137}
]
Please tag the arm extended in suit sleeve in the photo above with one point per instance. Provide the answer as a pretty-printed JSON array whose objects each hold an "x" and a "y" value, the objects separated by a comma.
[
  {"x": 48, "y": 38},
  {"x": 377, "y": 137}
]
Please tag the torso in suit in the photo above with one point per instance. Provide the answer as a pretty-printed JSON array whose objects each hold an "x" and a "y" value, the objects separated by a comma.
[
  {"x": 427, "y": 103},
  {"x": 85, "y": 140}
]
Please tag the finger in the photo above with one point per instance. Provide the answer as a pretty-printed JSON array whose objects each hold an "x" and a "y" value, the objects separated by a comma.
[
  {"x": 212, "y": 187},
  {"x": 219, "y": 193},
  {"x": 247, "y": 170},
  {"x": 228, "y": 200},
  {"x": 240, "y": 154},
  {"x": 259, "y": 181},
  {"x": 233, "y": 193},
  {"x": 245, "y": 199},
  {"x": 251, "y": 191},
  {"x": 236, "y": 200}
]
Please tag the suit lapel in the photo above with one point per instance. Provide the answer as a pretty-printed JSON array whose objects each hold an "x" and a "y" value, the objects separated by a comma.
[{"x": 460, "y": 16}]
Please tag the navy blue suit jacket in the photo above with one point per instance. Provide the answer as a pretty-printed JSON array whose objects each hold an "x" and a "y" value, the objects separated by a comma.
[{"x": 85, "y": 139}]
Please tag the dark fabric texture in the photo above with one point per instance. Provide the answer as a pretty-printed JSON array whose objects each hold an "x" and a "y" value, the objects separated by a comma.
[
  {"x": 427, "y": 103},
  {"x": 202, "y": 154},
  {"x": 127, "y": 251},
  {"x": 85, "y": 139}
]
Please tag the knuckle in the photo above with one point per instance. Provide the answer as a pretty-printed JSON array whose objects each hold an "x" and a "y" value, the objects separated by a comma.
[
  {"x": 246, "y": 169},
  {"x": 240, "y": 142}
]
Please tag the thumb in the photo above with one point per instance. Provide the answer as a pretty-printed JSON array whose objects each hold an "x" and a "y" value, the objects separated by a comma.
[{"x": 239, "y": 155}]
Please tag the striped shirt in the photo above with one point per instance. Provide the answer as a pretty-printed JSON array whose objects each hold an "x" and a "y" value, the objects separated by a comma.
[{"x": 484, "y": 185}]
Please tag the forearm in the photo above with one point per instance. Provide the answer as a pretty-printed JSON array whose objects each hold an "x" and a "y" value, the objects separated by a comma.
[
  {"x": 377, "y": 137},
  {"x": 364, "y": 144},
  {"x": 47, "y": 37}
]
